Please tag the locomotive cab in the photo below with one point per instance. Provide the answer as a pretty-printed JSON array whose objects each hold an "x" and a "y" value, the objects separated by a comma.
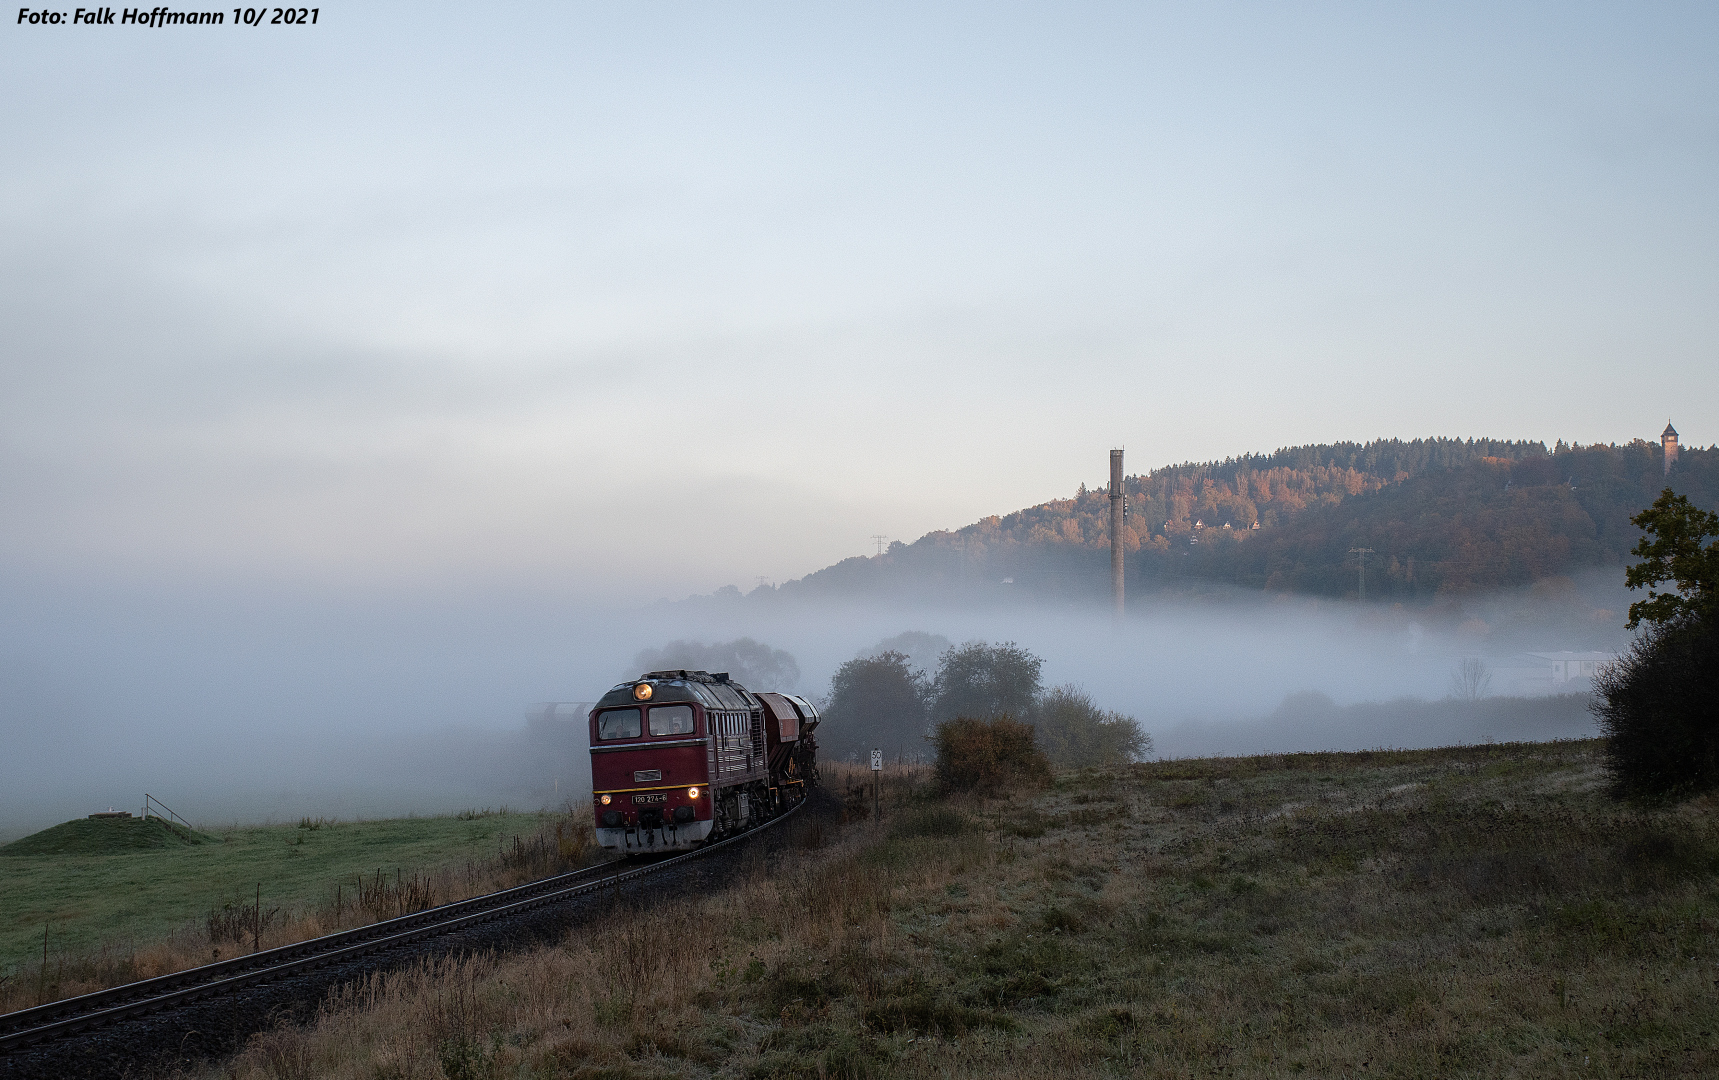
[
  {"x": 679, "y": 758},
  {"x": 648, "y": 772},
  {"x": 685, "y": 757}
]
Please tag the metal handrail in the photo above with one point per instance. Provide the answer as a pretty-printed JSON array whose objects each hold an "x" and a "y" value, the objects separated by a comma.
[{"x": 150, "y": 800}]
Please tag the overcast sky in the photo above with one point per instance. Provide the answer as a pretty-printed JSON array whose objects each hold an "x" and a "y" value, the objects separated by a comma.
[{"x": 651, "y": 297}]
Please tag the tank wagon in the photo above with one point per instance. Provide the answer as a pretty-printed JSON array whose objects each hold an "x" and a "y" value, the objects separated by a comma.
[{"x": 679, "y": 758}]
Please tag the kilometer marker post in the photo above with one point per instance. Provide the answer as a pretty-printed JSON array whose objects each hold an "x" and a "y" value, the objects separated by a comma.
[{"x": 876, "y": 784}]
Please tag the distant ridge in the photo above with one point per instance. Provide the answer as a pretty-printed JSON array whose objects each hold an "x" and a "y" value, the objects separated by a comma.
[{"x": 1442, "y": 516}]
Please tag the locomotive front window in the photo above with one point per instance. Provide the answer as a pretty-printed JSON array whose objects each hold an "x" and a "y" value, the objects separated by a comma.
[
  {"x": 671, "y": 720},
  {"x": 618, "y": 724}
]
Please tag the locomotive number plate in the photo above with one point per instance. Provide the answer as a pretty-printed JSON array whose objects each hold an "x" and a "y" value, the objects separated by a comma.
[{"x": 656, "y": 796}]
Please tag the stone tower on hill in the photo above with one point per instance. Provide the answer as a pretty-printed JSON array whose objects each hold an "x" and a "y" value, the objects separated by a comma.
[{"x": 1668, "y": 439}]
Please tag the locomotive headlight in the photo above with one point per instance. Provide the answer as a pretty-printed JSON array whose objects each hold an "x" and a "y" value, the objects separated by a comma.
[
  {"x": 605, "y": 800},
  {"x": 642, "y": 692},
  {"x": 692, "y": 793}
]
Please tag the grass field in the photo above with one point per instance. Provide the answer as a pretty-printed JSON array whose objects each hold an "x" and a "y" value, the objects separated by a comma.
[
  {"x": 1475, "y": 911},
  {"x": 145, "y": 910}
]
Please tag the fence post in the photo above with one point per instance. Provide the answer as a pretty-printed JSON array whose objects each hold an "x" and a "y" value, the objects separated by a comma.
[{"x": 42, "y": 979}]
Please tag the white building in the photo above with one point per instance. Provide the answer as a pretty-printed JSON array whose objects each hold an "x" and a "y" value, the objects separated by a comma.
[
  {"x": 1574, "y": 666},
  {"x": 1552, "y": 672}
]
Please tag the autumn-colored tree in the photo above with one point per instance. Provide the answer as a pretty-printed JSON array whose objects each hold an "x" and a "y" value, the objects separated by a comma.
[{"x": 988, "y": 756}]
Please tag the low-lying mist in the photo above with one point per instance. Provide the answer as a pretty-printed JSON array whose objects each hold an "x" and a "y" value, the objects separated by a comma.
[{"x": 248, "y": 707}]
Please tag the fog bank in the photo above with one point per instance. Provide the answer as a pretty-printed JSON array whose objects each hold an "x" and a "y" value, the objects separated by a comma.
[
  {"x": 235, "y": 705},
  {"x": 1312, "y": 721}
]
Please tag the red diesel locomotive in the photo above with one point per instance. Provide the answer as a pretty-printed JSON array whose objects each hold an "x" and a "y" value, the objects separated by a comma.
[{"x": 682, "y": 757}]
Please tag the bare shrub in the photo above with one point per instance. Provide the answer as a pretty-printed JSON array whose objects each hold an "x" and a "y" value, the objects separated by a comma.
[
  {"x": 384, "y": 899},
  {"x": 1470, "y": 679},
  {"x": 239, "y": 922}
]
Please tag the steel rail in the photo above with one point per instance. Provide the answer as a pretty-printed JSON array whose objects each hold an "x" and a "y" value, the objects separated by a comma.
[{"x": 57, "y": 1018}]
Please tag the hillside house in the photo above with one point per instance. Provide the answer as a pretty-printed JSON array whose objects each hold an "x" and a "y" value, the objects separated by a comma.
[{"x": 1564, "y": 672}]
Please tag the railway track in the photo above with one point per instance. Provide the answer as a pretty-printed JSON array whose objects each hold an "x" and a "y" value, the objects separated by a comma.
[{"x": 59, "y": 1019}]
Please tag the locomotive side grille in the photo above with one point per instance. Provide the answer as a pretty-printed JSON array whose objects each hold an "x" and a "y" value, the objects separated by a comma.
[{"x": 732, "y": 745}]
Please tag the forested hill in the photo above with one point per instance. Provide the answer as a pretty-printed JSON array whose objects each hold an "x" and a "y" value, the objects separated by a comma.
[{"x": 1442, "y": 517}]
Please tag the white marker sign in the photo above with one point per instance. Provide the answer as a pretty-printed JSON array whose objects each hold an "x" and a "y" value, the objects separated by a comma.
[{"x": 877, "y": 761}]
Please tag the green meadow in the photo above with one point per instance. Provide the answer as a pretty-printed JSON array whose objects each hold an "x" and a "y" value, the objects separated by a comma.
[{"x": 121, "y": 885}]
